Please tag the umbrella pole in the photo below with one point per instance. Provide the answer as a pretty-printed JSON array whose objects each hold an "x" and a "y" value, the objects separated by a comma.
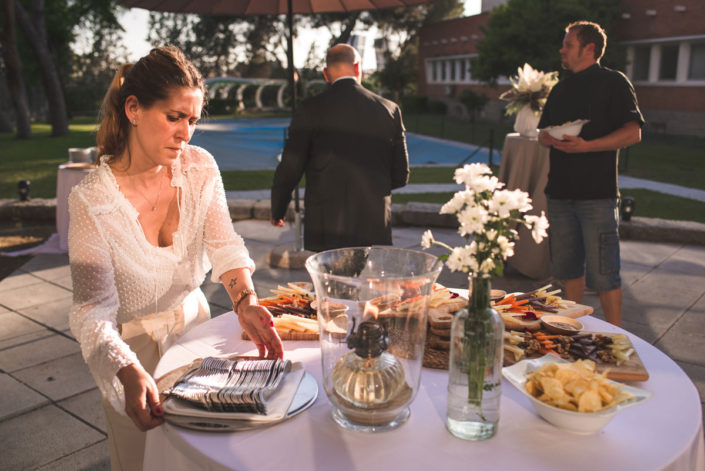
[{"x": 292, "y": 84}]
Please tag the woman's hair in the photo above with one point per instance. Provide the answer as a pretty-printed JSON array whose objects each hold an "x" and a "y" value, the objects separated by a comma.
[{"x": 153, "y": 78}]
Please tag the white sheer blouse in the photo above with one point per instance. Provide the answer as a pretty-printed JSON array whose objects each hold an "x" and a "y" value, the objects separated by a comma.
[{"x": 119, "y": 276}]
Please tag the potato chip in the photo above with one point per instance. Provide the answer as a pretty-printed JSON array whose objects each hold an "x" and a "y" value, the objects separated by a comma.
[{"x": 574, "y": 386}]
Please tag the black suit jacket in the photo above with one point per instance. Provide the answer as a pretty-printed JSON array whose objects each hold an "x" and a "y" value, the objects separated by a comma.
[{"x": 350, "y": 144}]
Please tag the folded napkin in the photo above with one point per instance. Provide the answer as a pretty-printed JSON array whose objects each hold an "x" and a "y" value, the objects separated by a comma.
[{"x": 276, "y": 402}]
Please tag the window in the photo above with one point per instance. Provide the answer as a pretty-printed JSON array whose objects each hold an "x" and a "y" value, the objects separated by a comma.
[
  {"x": 451, "y": 69},
  {"x": 642, "y": 63},
  {"x": 669, "y": 62},
  {"x": 696, "y": 70}
]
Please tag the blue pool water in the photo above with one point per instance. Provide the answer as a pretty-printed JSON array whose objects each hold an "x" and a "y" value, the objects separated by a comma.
[{"x": 255, "y": 144}]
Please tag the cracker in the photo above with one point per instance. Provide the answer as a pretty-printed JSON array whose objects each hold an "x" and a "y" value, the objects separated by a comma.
[
  {"x": 439, "y": 318},
  {"x": 436, "y": 342},
  {"x": 442, "y": 333}
]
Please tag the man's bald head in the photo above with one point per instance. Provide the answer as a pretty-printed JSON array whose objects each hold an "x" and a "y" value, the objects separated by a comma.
[
  {"x": 342, "y": 60},
  {"x": 342, "y": 54}
]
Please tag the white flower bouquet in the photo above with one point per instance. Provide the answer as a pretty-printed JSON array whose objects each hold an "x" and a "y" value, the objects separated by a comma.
[
  {"x": 529, "y": 87},
  {"x": 487, "y": 215}
]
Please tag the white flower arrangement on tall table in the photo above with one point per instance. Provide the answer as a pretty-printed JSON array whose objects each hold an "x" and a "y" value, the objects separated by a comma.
[
  {"x": 529, "y": 87},
  {"x": 487, "y": 215}
]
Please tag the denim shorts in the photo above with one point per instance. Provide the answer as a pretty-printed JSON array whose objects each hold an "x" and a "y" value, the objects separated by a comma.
[{"x": 584, "y": 240}]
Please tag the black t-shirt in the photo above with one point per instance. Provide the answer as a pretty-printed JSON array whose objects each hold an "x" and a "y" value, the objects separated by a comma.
[{"x": 607, "y": 99}]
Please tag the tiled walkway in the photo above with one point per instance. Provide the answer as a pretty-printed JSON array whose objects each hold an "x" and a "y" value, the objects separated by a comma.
[{"x": 50, "y": 413}]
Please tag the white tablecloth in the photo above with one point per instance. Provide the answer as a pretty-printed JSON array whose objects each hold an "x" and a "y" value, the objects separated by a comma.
[
  {"x": 663, "y": 433},
  {"x": 67, "y": 177}
]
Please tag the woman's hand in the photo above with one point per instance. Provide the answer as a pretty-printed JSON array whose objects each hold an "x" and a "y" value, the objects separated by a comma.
[
  {"x": 258, "y": 323},
  {"x": 142, "y": 402}
]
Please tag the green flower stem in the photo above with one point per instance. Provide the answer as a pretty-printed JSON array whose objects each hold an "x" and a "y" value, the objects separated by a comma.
[
  {"x": 442, "y": 244},
  {"x": 476, "y": 326}
]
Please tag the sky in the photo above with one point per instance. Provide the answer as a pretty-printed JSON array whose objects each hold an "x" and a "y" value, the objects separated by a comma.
[{"x": 135, "y": 23}]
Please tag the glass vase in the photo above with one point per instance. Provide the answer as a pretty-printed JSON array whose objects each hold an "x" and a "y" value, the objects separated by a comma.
[
  {"x": 475, "y": 366},
  {"x": 372, "y": 347}
]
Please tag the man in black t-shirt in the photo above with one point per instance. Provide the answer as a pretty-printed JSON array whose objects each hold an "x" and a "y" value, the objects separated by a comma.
[{"x": 582, "y": 181}]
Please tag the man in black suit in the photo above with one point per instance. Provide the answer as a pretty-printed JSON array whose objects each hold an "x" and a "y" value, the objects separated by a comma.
[{"x": 350, "y": 144}]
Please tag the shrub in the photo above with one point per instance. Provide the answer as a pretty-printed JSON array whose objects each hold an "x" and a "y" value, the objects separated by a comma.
[
  {"x": 221, "y": 106},
  {"x": 438, "y": 107},
  {"x": 414, "y": 104}
]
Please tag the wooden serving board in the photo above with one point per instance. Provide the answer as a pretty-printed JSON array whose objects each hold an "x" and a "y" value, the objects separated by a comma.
[
  {"x": 578, "y": 310},
  {"x": 289, "y": 335},
  {"x": 509, "y": 318},
  {"x": 631, "y": 370}
]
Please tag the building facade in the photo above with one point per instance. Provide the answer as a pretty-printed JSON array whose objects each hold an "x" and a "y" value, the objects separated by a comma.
[{"x": 665, "y": 45}]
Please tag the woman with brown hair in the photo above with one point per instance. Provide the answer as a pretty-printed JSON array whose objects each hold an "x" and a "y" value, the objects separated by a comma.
[{"x": 145, "y": 227}]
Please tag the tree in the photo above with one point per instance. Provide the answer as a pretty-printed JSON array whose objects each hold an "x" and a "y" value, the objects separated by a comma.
[
  {"x": 92, "y": 70},
  {"x": 339, "y": 25},
  {"x": 216, "y": 44},
  {"x": 404, "y": 24},
  {"x": 5, "y": 123},
  {"x": 474, "y": 102},
  {"x": 399, "y": 73},
  {"x": 400, "y": 70},
  {"x": 531, "y": 31},
  {"x": 263, "y": 35},
  {"x": 35, "y": 32},
  {"x": 13, "y": 70}
]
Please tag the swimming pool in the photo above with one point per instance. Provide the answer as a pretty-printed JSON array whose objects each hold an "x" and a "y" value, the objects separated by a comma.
[{"x": 255, "y": 144}]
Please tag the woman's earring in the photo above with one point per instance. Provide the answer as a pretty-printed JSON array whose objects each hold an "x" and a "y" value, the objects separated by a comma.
[{"x": 134, "y": 122}]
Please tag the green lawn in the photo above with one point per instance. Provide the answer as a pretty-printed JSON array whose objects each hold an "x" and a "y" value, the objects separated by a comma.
[
  {"x": 665, "y": 160},
  {"x": 36, "y": 159},
  {"x": 669, "y": 159},
  {"x": 479, "y": 133},
  {"x": 652, "y": 204},
  {"x": 649, "y": 204},
  {"x": 244, "y": 180}
]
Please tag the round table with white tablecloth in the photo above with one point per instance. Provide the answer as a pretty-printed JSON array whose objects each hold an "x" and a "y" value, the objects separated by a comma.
[
  {"x": 664, "y": 433},
  {"x": 68, "y": 175}
]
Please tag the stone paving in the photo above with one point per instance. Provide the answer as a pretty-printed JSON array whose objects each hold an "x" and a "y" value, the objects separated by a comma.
[{"x": 50, "y": 413}]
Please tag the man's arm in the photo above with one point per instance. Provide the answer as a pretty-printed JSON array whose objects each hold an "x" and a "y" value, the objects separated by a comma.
[
  {"x": 291, "y": 168},
  {"x": 625, "y": 136},
  {"x": 400, "y": 157}
]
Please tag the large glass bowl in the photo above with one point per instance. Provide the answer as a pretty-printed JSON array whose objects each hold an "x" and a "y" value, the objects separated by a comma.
[{"x": 388, "y": 290}]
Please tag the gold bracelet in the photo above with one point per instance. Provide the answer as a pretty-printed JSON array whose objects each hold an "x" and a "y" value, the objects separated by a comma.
[{"x": 242, "y": 295}]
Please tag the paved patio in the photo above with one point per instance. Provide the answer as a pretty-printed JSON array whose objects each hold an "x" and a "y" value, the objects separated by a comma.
[{"x": 50, "y": 414}]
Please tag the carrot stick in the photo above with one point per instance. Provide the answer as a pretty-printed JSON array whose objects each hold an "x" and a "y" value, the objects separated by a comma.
[
  {"x": 544, "y": 336},
  {"x": 507, "y": 300},
  {"x": 516, "y": 309}
]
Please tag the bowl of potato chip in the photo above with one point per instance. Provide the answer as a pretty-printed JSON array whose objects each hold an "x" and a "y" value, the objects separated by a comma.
[
  {"x": 571, "y": 128},
  {"x": 572, "y": 395}
]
